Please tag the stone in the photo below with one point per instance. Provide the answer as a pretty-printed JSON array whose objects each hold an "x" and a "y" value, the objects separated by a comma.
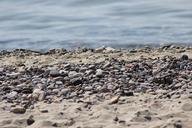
[
  {"x": 107, "y": 64},
  {"x": 67, "y": 66},
  {"x": 88, "y": 88},
  {"x": 43, "y": 110},
  {"x": 30, "y": 120},
  {"x": 76, "y": 81},
  {"x": 89, "y": 72},
  {"x": 127, "y": 93},
  {"x": 54, "y": 73},
  {"x": 184, "y": 57},
  {"x": 99, "y": 72},
  {"x": 12, "y": 95},
  {"x": 38, "y": 94},
  {"x": 116, "y": 119},
  {"x": 187, "y": 107},
  {"x": 64, "y": 91},
  {"x": 55, "y": 91},
  {"x": 109, "y": 50},
  {"x": 100, "y": 49},
  {"x": 18, "y": 110},
  {"x": 114, "y": 100},
  {"x": 59, "y": 82},
  {"x": 74, "y": 74},
  {"x": 63, "y": 72}
]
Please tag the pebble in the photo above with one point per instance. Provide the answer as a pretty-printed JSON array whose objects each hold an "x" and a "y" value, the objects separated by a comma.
[
  {"x": 74, "y": 74},
  {"x": 187, "y": 107},
  {"x": 76, "y": 81},
  {"x": 184, "y": 57},
  {"x": 39, "y": 94},
  {"x": 43, "y": 110},
  {"x": 127, "y": 93},
  {"x": 18, "y": 110},
  {"x": 12, "y": 95},
  {"x": 64, "y": 91},
  {"x": 30, "y": 120},
  {"x": 99, "y": 73},
  {"x": 54, "y": 73},
  {"x": 114, "y": 100}
]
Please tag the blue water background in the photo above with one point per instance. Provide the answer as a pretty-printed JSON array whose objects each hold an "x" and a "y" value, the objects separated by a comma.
[{"x": 45, "y": 24}]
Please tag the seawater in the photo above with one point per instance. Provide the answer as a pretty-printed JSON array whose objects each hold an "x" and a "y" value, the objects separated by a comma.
[{"x": 45, "y": 24}]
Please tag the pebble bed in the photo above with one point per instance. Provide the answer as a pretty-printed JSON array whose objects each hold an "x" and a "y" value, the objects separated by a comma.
[{"x": 166, "y": 77}]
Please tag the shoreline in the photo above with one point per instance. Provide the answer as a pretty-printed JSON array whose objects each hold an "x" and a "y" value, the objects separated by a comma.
[{"x": 102, "y": 87}]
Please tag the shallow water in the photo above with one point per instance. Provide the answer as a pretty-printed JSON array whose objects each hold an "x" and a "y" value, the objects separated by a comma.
[{"x": 44, "y": 24}]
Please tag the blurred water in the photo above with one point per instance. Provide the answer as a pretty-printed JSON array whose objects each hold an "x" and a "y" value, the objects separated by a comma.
[{"x": 44, "y": 24}]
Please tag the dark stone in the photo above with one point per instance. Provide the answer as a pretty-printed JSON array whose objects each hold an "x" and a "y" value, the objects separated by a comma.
[
  {"x": 18, "y": 110},
  {"x": 76, "y": 81},
  {"x": 55, "y": 125},
  {"x": 127, "y": 93},
  {"x": 27, "y": 90},
  {"x": 44, "y": 111},
  {"x": 184, "y": 57},
  {"x": 30, "y": 120},
  {"x": 178, "y": 125},
  {"x": 116, "y": 119},
  {"x": 148, "y": 118}
]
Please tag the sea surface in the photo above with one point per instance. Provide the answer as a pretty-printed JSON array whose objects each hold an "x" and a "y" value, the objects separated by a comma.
[{"x": 46, "y": 24}]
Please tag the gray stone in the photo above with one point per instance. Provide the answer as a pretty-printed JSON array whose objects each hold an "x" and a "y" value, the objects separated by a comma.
[
  {"x": 89, "y": 72},
  {"x": 99, "y": 72},
  {"x": 64, "y": 91},
  {"x": 63, "y": 72},
  {"x": 54, "y": 73},
  {"x": 59, "y": 82},
  {"x": 88, "y": 88},
  {"x": 55, "y": 91},
  {"x": 12, "y": 95},
  {"x": 74, "y": 74}
]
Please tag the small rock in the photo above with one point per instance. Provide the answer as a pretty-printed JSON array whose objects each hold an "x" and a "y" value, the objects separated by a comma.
[
  {"x": 38, "y": 94},
  {"x": 44, "y": 111},
  {"x": 63, "y": 72},
  {"x": 109, "y": 49},
  {"x": 187, "y": 107},
  {"x": 54, "y": 73},
  {"x": 127, "y": 93},
  {"x": 64, "y": 91},
  {"x": 100, "y": 49},
  {"x": 12, "y": 95},
  {"x": 55, "y": 91},
  {"x": 178, "y": 124},
  {"x": 184, "y": 57},
  {"x": 116, "y": 119},
  {"x": 59, "y": 82},
  {"x": 76, "y": 81},
  {"x": 30, "y": 120},
  {"x": 114, "y": 100},
  {"x": 18, "y": 110},
  {"x": 99, "y": 72}
]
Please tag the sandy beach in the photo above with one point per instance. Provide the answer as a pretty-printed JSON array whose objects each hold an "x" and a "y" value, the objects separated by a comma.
[{"x": 97, "y": 88}]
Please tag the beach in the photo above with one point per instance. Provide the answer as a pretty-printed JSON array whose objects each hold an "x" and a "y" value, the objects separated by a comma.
[{"x": 97, "y": 88}]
